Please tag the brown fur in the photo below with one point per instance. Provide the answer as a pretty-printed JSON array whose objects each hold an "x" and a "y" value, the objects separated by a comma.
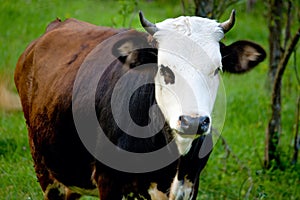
[{"x": 44, "y": 80}]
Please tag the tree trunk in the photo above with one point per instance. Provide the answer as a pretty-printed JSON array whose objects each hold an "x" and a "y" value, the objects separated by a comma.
[
  {"x": 274, "y": 126},
  {"x": 212, "y": 8},
  {"x": 204, "y": 8},
  {"x": 275, "y": 28},
  {"x": 297, "y": 138},
  {"x": 273, "y": 130}
]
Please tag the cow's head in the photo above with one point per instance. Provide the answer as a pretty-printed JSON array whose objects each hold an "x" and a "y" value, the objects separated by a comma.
[{"x": 190, "y": 57}]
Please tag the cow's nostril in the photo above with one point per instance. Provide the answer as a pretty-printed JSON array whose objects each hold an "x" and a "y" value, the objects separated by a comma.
[
  {"x": 194, "y": 125},
  {"x": 184, "y": 120}
]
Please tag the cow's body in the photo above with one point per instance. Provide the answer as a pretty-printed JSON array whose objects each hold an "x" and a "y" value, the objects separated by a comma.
[
  {"x": 47, "y": 101},
  {"x": 45, "y": 77}
]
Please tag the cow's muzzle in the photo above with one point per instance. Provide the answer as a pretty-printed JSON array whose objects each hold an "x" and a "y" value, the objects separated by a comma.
[{"x": 194, "y": 125}]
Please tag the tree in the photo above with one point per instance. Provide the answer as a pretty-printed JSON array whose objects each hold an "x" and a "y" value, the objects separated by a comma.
[
  {"x": 212, "y": 8},
  {"x": 280, "y": 52}
]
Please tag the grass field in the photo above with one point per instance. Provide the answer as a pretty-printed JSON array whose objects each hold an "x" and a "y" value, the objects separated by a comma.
[{"x": 238, "y": 175}]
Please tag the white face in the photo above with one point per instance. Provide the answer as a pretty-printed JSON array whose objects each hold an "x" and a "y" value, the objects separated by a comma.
[{"x": 187, "y": 80}]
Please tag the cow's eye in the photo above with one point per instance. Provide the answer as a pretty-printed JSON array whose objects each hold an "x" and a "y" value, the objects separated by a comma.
[{"x": 217, "y": 70}]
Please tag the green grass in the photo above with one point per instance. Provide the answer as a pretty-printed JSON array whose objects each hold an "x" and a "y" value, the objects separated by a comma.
[
  {"x": 248, "y": 102},
  {"x": 17, "y": 178}
]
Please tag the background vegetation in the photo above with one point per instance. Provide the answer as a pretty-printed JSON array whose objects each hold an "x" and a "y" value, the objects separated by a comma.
[{"x": 234, "y": 171}]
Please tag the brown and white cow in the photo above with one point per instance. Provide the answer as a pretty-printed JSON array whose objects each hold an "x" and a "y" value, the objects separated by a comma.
[{"x": 122, "y": 114}]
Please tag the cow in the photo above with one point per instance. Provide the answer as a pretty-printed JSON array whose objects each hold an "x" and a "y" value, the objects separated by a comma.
[{"x": 125, "y": 114}]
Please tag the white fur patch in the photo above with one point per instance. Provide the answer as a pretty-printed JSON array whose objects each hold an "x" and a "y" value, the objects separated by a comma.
[
  {"x": 189, "y": 46},
  {"x": 204, "y": 32},
  {"x": 155, "y": 193},
  {"x": 184, "y": 144},
  {"x": 181, "y": 190}
]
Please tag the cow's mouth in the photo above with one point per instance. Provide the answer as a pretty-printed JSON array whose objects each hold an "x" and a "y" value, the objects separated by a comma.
[{"x": 184, "y": 142}]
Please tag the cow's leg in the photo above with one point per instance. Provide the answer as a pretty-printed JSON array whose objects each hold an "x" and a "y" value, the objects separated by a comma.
[
  {"x": 52, "y": 189},
  {"x": 108, "y": 188},
  {"x": 57, "y": 191},
  {"x": 196, "y": 188}
]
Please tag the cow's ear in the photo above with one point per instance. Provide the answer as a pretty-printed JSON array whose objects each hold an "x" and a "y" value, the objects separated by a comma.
[
  {"x": 134, "y": 52},
  {"x": 241, "y": 56},
  {"x": 124, "y": 48}
]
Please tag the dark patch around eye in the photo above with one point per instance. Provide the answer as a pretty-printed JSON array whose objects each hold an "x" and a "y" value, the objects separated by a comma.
[
  {"x": 168, "y": 74},
  {"x": 216, "y": 71}
]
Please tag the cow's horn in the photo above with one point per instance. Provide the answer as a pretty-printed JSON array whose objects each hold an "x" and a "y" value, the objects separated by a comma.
[
  {"x": 227, "y": 25},
  {"x": 148, "y": 26}
]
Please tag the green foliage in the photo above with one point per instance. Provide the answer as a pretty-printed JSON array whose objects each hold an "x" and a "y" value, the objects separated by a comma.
[
  {"x": 127, "y": 10},
  {"x": 238, "y": 175}
]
